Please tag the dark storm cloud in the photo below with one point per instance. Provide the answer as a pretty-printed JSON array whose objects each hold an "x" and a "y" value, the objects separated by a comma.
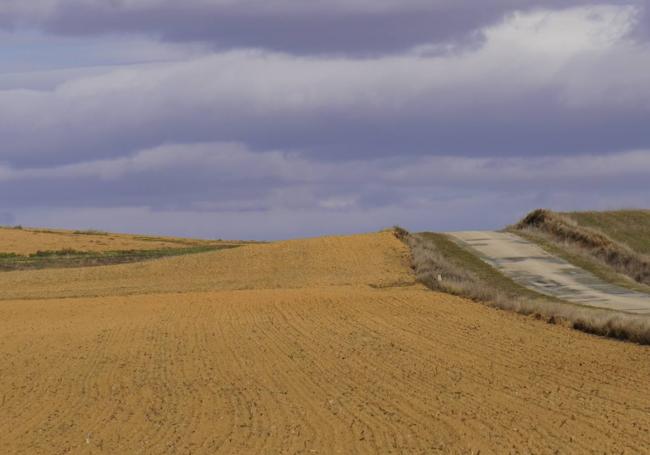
[{"x": 350, "y": 27}]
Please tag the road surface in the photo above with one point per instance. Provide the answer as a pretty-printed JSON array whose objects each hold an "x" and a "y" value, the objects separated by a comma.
[{"x": 529, "y": 265}]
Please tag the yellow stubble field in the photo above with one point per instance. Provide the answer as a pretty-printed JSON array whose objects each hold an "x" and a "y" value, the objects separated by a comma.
[{"x": 26, "y": 241}]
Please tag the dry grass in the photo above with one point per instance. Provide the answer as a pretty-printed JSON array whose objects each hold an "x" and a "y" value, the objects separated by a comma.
[
  {"x": 566, "y": 232},
  {"x": 441, "y": 265}
]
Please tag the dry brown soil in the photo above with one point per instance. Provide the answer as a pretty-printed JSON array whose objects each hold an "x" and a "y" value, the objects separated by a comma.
[{"x": 312, "y": 346}]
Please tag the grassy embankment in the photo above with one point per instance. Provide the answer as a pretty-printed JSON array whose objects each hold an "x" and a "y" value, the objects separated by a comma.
[
  {"x": 613, "y": 246},
  {"x": 442, "y": 265}
]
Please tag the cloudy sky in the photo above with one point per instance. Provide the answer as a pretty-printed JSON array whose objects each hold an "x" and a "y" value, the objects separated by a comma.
[{"x": 272, "y": 119}]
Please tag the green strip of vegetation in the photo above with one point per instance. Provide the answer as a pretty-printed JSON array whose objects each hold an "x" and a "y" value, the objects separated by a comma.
[
  {"x": 73, "y": 258},
  {"x": 90, "y": 232}
]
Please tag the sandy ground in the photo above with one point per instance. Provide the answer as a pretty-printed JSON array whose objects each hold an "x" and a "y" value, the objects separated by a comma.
[
  {"x": 314, "y": 357},
  {"x": 29, "y": 241},
  {"x": 529, "y": 265}
]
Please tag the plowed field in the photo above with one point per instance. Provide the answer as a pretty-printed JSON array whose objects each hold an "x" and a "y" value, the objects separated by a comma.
[{"x": 316, "y": 346}]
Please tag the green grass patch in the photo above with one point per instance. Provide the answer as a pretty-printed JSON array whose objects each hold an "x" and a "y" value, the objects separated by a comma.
[{"x": 90, "y": 232}]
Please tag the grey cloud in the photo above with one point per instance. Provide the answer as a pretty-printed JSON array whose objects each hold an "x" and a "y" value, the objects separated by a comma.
[
  {"x": 547, "y": 109},
  {"x": 202, "y": 190},
  {"x": 230, "y": 177},
  {"x": 350, "y": 27},
  {"x": 7, "y": 218},
  {"x": 503, "y": 98},
  {"x": 447, "y": 211}
]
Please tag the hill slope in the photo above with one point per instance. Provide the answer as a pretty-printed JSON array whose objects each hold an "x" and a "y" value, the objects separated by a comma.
[
  {"x": 631, "y": 227},
  {"x": 371, "y": 259},
  {"x": 331, "y": 348}
]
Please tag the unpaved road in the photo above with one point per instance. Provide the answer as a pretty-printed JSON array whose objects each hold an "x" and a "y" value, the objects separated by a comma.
[
  {"x": 531, "y": 266},
  {"x": 318, "y": 346}
]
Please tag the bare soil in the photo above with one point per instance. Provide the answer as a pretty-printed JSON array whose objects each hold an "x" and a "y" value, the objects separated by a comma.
[{"x": 315, "y": 346}]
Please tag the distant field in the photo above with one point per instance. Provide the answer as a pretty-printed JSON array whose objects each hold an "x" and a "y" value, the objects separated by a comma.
[
  {"x": 631, "y": 227},
  {"x": 30, "y": 248},
  {"x": 25, "y": 241},
  {"x": 309, "y": 346}
]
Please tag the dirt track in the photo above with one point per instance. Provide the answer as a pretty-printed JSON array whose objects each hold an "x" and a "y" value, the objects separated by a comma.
[
  {"x": 529, "y": 265},
  {"x": 324, "y": 366}
]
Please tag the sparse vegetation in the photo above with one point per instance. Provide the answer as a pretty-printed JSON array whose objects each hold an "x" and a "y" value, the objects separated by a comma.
[
  {"x": 562, "y": 231},
  {"x": 90, "y": 232},
  {"x": 62, "y": 252},
  {"x": 67, "y": 257},
  {"x": 442, "y": 265}
]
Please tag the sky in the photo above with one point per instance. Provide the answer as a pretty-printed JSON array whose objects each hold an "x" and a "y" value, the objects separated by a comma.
[{"x": 273, "y": 119}]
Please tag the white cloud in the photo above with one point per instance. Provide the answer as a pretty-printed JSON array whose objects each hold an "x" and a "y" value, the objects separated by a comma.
[
  {"x": 235, "y": 162},
  {"x": 239, "y": 93}
]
